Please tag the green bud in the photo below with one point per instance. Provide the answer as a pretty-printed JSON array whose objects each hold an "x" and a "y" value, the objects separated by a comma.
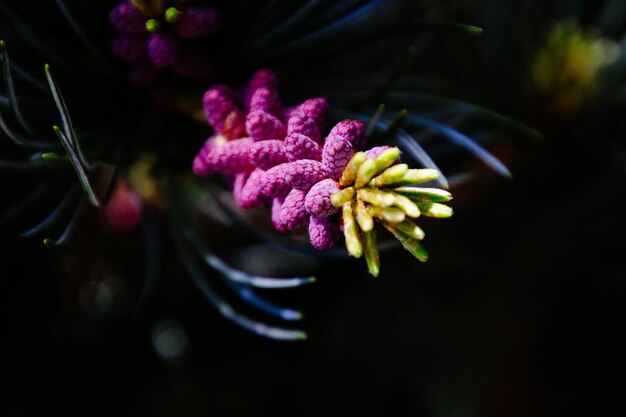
[
  {"x": 349, "y": 173},
  {"x": 363, "y": 218},
  {"x": 439, "y": 211},
  {"x": 413, "y": 246},
  {"x": 353, "y": 243},
  {"x": 389, "y": 214},
  {"x": 416, "y": 176},
  {"x": 376, "y": 197},
  {"x": 411, "y": 229},
  {"x": 152, "y": 25},
  {"x": 171, "y": 14},
  {"x": 365, "y": 173},
  {"x": 409, "y": 207},
  {"x": 372, "y": 167},
  {"x": 390, "y": 176},
  {"x": 372, "y": 257},
  {"x": 341, "y": 197},
  {"x": 424, "y": 194}
]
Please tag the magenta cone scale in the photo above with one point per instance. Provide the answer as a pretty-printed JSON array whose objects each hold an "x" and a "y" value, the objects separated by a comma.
[
  {"x": 323, "y": 231},
  {"x": 262, "y": 78},
  {"x": 336, "y": 154},
  {"x": 315, "y": 108},
  {"x": 261, "y": 125},
  {"x": 277, "y": 205},
  {"x": 267, "y": 153},
  {"x": 293, "y": 214},
  {"x": 318, "y": 201},
  {"x": 298, "y": 146},
  {"x": 267, "y": 100},
  {"x": 273, "y": 184},
  {"x": 230, "y": 158},
  {"x": 222, "y": 113},
  {"x": 239, "y": 183},
  {"x": 301, "y": 123},
  {"x": 251, "y": 192},
  {"x": 303, "y": 174}
]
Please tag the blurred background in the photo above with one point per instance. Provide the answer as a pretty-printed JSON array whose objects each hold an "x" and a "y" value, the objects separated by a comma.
[{"x": 518, "y": 312}]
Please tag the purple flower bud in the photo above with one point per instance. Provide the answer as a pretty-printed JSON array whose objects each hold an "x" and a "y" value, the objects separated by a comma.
[
  {"x": 293, "y": 213},
  {"x": 162, "y": 50},
  {"x": 303, "y": 174},
  {"x": 273, "y": 184},
  {"x": 316, "y": 108},
  {"x": 336, "y": 154},
  {"x": 222, "y": 114},
  {"x": 251, "y": 196},
  {"x": 232, "y": 157},
  {"x": 129, "y": 47},
  {"x": 267, "y": 100},
  {"x": 143, "y": 73},
  {"x": 301, "y": 123},
  {"x": 262, "y": 78},
  {"x": 323, "y": 231},
  {"x": 267, "y": 153},
  {"x": 298, "y": 146},
  {"x": 318, "y": 198},
  {"x": 128, "y": 18},
  {"x": 196, "y": 22},
  {"x": 192, "y": 64},
  {"x": 263, "y": 126}
]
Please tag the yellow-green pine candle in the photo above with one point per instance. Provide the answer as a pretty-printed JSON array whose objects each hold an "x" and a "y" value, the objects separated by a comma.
[
  {"x": 390, "y": 176},
  {"x": 341, "y": 197},
  {"x": 349, "y": 173},
  {"x": 372, "y": 257},
  {"x": 363, "y": 218},
  {"x": 350, "y": 231}
]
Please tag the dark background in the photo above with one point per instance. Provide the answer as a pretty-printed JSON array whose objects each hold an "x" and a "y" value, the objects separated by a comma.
[{"x": 519, "y": 312}]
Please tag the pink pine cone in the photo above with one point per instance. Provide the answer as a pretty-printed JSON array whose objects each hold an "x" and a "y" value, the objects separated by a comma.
[
  {"x": 315, "y": 108},
  {"x": 293, "y": 213},
  {"x": 162, "y": 50},
  {"x": 303, "y": 174},
  {"x": 251, "y": 192},
  {"x": 351, "y": 130},
  {"x": 267, "y": 100},
  {"x": 323, "y": 231},
  {"x": 317, "y": 200},
  {"x": 261, "y": 125},
  {"x": 273, "y": 184},
  {"x": 231, "y": 158},
  {"x": 262, "y": 78},
  {"x": 301, "y": 123},
  {"x": 336, "y": 154},
  {"x": 197, "y": 22},
  {"x": 267, "y": 153},
  {"x": 127, "y": 18},
  {"x": 222, "y": 113},
  {"x": 298, "y": 146}
]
